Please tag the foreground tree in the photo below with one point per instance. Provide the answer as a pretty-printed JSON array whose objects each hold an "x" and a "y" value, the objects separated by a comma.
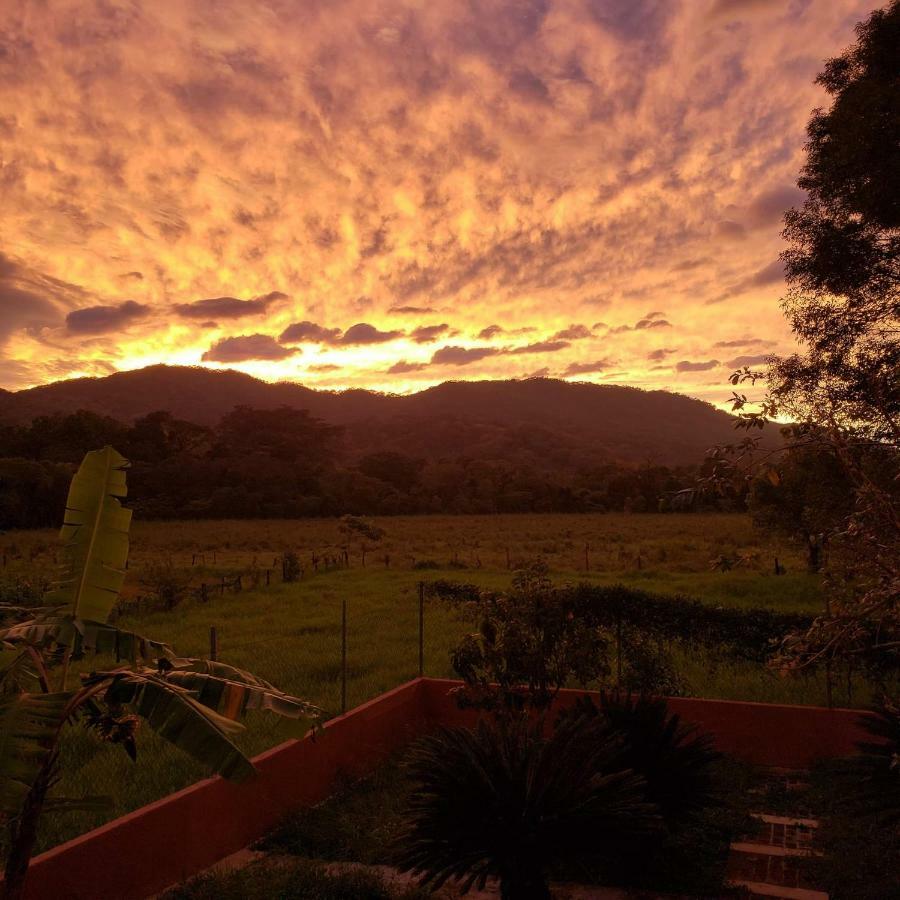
[
  {"x": 843, "y": 390},
  {"x": 804, "y": 496},
  {"x": 192, "y": 703}
]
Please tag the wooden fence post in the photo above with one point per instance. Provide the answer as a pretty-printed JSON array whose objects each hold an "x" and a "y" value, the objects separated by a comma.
[
  {"x": 343, "y": 656},
  {"x": 619, "y": 650},
  {"x": 421, "y": 628},
  {"x": 213, "y": 643}
]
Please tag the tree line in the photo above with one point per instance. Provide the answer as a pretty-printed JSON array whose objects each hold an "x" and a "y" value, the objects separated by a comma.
[{"x": 285, "y": 463}]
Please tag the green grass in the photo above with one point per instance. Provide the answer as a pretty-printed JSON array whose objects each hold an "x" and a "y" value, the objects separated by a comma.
[
  {"x": 290, "y": 633},
  {"x": 360, "y": 822},
  {"x": 293, "y": 879}
]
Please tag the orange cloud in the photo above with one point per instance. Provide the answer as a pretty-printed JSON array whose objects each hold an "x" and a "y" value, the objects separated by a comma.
[{"x": 522, "y": 162}]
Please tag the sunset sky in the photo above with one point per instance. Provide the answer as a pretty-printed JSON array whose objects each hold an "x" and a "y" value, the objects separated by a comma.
[{"x": 393, "y": 194}]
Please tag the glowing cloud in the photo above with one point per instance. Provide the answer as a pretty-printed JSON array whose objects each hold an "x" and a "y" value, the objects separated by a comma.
[{"x": 488, "y": 169}]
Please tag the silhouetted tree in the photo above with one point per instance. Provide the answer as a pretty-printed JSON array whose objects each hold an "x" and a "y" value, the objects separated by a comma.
[
  {"x": 843, "y": 262},
  {"x": 806, "y": 496},
  {"x": 843, "y": 272}
]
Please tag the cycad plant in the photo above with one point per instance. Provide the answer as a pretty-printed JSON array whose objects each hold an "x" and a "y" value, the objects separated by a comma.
[
  {"x": 193, "y": 703},
  {"x": 674, "y": 759},
  {"x": 504, "y": 801}
]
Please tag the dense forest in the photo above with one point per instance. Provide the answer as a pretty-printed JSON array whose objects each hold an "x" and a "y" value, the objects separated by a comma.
[{"x": 287, "y": 463}]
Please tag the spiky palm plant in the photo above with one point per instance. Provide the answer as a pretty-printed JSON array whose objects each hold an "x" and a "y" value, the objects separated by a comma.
[
  {"x": 674, "y": 759},
  {"x": 193, "y": 703},
  {"x": 504, "y": 801}
]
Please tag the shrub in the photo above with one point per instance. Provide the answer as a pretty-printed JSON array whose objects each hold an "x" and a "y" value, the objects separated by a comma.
[
  {"x": 504, "y": 801},
  {"x": 876, "y": 771},
  {"x": 529, "y": 644},
  {"x": 860, "y": 832},
  {"x": 166, "y": 583},
  {"x": 674, "y": 759},
  {"x": 290, "y": 566}
]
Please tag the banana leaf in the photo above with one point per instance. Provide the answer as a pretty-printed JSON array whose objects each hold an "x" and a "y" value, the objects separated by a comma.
[
  {"x": 17, "y": 670},
  {"x": 29, "y": 724},
  {"x": 94, "y": 537},
  {"x": 84, "y": 636},
  {"x": 177, "y": 717},
  {"x": 218, "y": 669},
  {"x": 232, "y": 698}
]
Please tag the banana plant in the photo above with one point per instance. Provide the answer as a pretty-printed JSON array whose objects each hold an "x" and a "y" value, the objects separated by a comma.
[{"x": 195, "y": 704}]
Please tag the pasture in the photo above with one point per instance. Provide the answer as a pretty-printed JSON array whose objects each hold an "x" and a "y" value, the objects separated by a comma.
[{"x": 290, "y": 633}]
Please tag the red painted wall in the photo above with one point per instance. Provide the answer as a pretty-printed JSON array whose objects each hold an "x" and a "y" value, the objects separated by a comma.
[
  {"x": 161, "y": 844},
  {"x": 765, "y": 734}
]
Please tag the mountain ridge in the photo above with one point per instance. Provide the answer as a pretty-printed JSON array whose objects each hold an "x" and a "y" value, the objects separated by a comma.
[{"x": 628, "y": 423}]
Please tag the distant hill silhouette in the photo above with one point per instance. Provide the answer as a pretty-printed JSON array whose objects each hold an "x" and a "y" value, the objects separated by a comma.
[{"x": 578, "y": 421}]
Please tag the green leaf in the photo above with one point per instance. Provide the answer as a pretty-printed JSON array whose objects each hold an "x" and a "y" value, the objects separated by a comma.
[
  {"x": 232, "y": 698},
  {"x": 176, "y": 716},
  {"x": 17, "y": 670},
  {"x": 94, "y": 537},
  {"x": 84, "y": 636},
  {"x": 29, "y": 724}
]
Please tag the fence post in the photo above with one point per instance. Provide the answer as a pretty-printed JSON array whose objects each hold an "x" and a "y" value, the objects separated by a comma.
[
  {"x": 619, "y": 650},
  {"x": 343, "y": 656},
  {"x": 421, "y": 628},
  {"x": 213, "y": 643}
]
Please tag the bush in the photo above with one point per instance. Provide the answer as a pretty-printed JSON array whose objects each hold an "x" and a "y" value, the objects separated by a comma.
[
  {"x": 504, "y": 801},
  {"x": 166, "y": 583},
  {"x": 674, "y": 759},
  {"x": 860, "y": 815},
  {"x": 877, "y": 768},
  {"x": 290, "y": 567},
  {"x": 25, "y": 593},
  {"x": 529, "y": 644}
]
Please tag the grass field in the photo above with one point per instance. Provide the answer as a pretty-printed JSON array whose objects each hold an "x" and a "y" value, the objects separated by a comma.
[{"x": 290, "y": 633}]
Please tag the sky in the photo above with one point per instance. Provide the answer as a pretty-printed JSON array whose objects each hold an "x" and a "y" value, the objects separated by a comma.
[{"x": 355, "y": 193}]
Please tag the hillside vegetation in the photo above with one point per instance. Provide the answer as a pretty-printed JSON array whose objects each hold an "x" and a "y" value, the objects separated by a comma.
[
  {"x": 223, "y": 445},
  {"x": 623, "y": 424}
]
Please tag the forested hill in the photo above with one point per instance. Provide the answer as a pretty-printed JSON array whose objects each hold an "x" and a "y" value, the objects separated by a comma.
[{"x": 594, "y": 422}]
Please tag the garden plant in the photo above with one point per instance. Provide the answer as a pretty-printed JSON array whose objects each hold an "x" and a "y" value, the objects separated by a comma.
[{"x": 193, "y": 703}]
